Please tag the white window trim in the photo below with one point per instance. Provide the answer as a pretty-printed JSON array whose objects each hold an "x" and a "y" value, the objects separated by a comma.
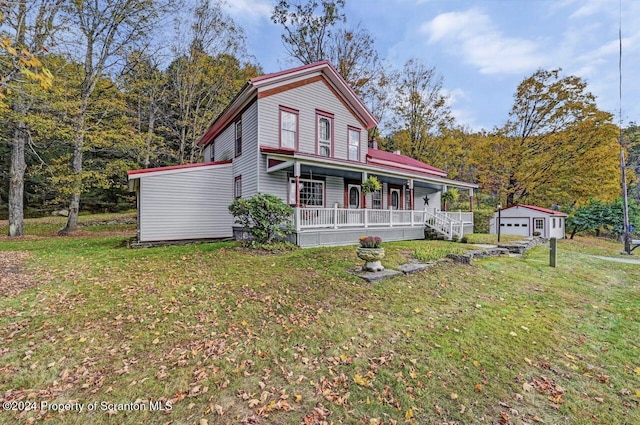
[
  {"x": 292, "y": 191},
  {"x": 325, "y": 142},
  {"x": 349, "y": 144},
  {"x": 283, "y": 113}
]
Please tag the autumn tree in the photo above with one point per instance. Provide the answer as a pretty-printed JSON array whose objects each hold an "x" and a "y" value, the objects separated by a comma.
[
  {"x": 146, "y": 86},
  {"x": 319, "y": 30},
  {"x": 104, "y": 30},
  {"x": 557, "y": 146},
  {"x": 421, "y": 110},
  {"x": 631, "y": 140},
  {"x": 204, "y": 76},
  {"x": 29, "y": 27}
]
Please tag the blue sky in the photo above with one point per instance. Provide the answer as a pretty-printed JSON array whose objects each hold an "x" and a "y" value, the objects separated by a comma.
[{"x": 485, "y": 48}]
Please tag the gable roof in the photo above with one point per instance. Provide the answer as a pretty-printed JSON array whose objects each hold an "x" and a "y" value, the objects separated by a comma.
[
  {"x": 295, "y": 77},
  {"x": 375, "y": 156},
  {"x": 539, "y": 209}
]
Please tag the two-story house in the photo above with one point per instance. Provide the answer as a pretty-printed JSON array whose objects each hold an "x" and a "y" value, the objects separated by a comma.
[{"x": 300, "y": 134}]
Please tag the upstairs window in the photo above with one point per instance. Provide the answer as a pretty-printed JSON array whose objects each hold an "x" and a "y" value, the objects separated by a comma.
[
  {"x": 288, "y": 128},
  {"x": 238, "y": 138},
  {"x": 354, "y": 144},
  {"x": 325, "y": 134}
]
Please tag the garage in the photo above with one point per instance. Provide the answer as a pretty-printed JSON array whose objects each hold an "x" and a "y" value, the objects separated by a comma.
[
  {"x": 514, "y": 226},
  {"x": 529, "y": 220}
]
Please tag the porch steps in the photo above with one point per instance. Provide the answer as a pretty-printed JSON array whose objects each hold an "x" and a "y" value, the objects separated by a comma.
[{"x": 433, "y": 235}]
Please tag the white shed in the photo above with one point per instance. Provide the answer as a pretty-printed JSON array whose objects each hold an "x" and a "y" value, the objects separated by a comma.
[
  {"x": 184, "y": 202},
  {"x": 525, "y": 220}
]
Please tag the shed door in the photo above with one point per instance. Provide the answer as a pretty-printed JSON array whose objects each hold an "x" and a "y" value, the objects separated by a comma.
[{"x": 515, "y": 226}]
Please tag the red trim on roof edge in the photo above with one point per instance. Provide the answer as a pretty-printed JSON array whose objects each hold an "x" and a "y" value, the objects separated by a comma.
[
  {"x": 539, "y": 209},
  {"x": 402, "y": 160},
  {"x": 280, "y": 151},
  {"x": 176, "y": 167},
  {"x": 289, "y": 71}
]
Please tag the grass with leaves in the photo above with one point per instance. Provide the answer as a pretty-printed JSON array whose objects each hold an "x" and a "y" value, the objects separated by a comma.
[{"x": 226, "y": 335}]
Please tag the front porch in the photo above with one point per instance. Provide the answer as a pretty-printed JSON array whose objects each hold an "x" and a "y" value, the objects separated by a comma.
[{"x": 343, "y": 226}]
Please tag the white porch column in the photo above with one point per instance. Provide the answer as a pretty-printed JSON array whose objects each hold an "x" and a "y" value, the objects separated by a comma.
[
  {"x": 471, "y": 200},
  {"x": 296, "y": 175},
  {"x": 411, "y": 200},
  {"x": 364, "y": 201}
]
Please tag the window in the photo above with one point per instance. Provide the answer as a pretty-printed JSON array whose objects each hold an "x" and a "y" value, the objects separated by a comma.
[
  {"x": 238, "y": 138},
  {"x": 288, "y": 128},
  {"x": 237, "y": 187},
  {"x": 324, "y": 134},
  {"x": 539, "y": 223},
  {"x": 311, "y": 192},
  {"x": 354, "y": 144},
  {"x": 553, "y": 223},
  {"x": 376, "y": 197},
  {"x": 354, "y": 196}
]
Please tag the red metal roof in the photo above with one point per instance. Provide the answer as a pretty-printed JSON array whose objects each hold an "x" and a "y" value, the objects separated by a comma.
[
  {"x": 401, "y": 161},
  {"x": 539, "y": 209},
  {"x": 175, "y": 167}
]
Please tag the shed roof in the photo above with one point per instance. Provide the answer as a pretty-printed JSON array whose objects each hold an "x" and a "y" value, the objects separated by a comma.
[{"x": 539, "y": 209}]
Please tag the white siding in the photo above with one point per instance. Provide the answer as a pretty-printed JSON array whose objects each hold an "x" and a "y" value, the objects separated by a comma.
[
  {"x": 434, "y": 198},
  {"x": 334, "y": 189},
  {"x": 306, "y": 99},
  {"x": 186, "y": 205},
  {"x": 559, "y": 230},
  {"x": 224, "y": 145},
  {"x": 245, "y": 165}
]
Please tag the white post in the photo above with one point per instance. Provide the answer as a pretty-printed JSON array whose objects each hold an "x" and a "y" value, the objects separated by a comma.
[
  {"x": 366, "y": 218},
  {"x": 460, "y": 216},
  {"x": 297, "y": 218},
  {"x": 335, "y": 216},
  {"x": 450, "y": 229}
]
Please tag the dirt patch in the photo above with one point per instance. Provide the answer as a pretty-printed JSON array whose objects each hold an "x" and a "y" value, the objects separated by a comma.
[{"x": 13, "y": 280}]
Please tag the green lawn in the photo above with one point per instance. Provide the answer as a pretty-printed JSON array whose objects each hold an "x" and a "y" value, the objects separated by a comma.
[{"x": 226, "y": 335}]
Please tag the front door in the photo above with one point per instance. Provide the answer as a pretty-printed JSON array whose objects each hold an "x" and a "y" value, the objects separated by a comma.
[
  {"x": 395, "y": 199},
  {"x": 538, "y": 226},
  {"x": 353, "y": 196}
]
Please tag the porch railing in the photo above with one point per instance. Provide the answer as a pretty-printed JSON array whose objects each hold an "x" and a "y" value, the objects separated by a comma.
[
  {"x": 451, "y": 224},
  {"x": 323, "y": 218}
]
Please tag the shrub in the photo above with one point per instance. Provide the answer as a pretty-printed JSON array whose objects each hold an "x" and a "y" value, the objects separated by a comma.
[
  {"x": 265, "y": 216},
  {"x": 370, "y": 241}
]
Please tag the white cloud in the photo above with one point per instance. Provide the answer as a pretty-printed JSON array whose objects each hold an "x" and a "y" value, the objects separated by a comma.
[
  {"x": 254, "y": 9},
  {"x": 473, "y": 35}
]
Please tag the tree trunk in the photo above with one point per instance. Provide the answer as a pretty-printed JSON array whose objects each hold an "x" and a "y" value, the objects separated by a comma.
[
  {"x": 573, "y": 233},
  {"x": 152, "y": 123},
  {"x": 76, "y": 168},
  {"x": 16, "y": 180}
]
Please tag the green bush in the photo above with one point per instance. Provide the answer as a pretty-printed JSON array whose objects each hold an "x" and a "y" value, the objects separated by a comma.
[
  {"x": 265, "y": 216},
  {"x": 481, "y": 220}
]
